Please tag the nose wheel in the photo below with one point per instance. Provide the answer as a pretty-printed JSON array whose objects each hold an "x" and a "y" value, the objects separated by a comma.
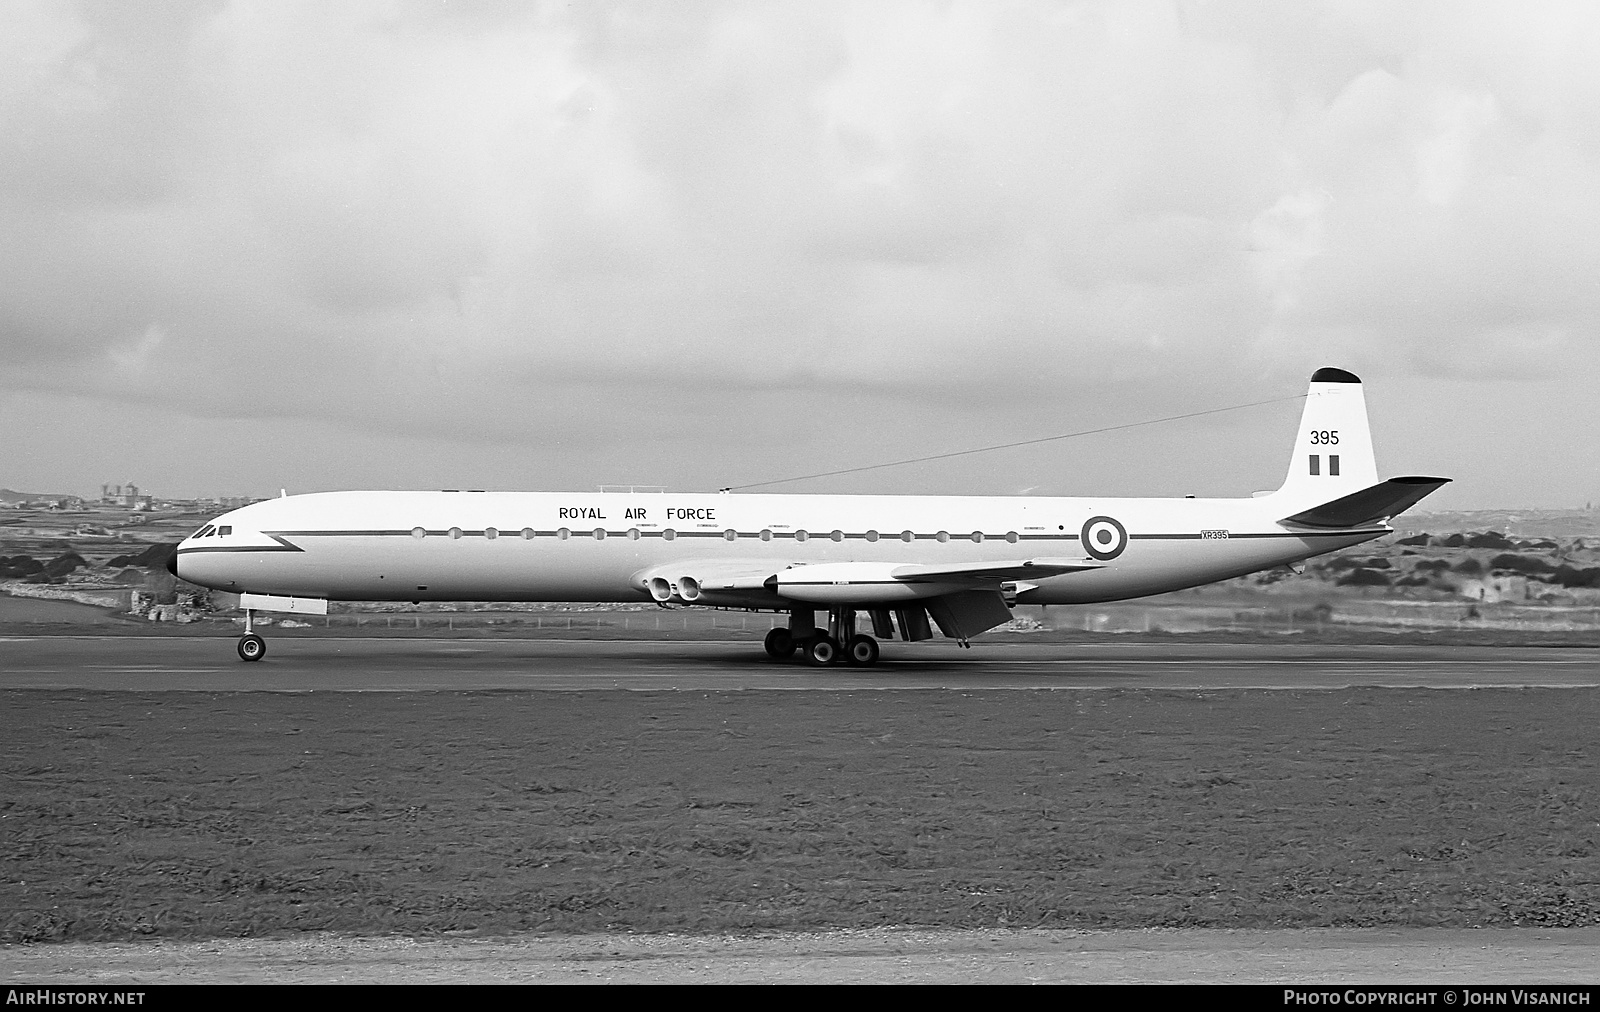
[{"x": 252, "y": 647}]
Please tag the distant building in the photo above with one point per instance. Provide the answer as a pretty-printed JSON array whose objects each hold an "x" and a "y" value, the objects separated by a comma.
[
  {"x": 127, "y": 496},
  {"x": 1495, "y": 589}
]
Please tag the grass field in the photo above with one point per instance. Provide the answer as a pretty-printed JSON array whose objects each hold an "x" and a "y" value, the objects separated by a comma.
[{"x": 185, "y": 814}]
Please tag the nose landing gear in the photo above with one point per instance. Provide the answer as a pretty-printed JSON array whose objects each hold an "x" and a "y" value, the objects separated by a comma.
[{"x": 251, "y": 646}]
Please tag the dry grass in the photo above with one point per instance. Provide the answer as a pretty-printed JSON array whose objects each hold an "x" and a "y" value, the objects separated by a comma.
[{"x": 192, "y": 815}]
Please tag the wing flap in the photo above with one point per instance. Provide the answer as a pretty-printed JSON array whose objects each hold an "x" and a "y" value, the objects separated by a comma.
[{"x": 965, "y": 614}]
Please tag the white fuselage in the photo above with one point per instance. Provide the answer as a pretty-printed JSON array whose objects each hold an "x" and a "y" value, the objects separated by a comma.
[{"x": 578, "y": 546}]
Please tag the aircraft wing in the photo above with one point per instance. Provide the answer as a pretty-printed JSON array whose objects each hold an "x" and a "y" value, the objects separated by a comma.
[
  {"x": 714, "y": 581},
  {"x": 864, "y": 583},
  {"x": 1020, "y": 570},
  {"x": 728, "y": 581}
]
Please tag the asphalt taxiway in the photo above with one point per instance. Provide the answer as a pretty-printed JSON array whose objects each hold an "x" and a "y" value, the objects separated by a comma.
[{"x": 308, "y": 663}]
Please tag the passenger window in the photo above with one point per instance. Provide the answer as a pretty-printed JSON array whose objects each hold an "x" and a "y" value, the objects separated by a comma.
[
  {"x": 872, "y": 535},
  {"x": 801, "y": 535},
  {"x": 527, "y": 534},
  {"x": 906, "y": 536},
  {"x": 491, "y": 533},
  {"x": 837, "y": 535},
  {"x": 419, "y": 533}
]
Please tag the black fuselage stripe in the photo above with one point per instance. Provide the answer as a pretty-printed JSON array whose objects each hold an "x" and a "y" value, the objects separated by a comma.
[
  {"x": 516, "y": 534},
  {"x": 243, "y": 548}
]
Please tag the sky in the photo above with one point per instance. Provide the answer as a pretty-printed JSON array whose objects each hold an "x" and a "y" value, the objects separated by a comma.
[{"x": 509, "y": 245}]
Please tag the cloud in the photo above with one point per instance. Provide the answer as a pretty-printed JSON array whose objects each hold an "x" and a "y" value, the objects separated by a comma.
[
  {"x": 133, "y": 354},
  {"x": 504, "y": 221}
]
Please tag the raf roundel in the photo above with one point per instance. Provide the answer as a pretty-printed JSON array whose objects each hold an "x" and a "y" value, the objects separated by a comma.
[{"x": 1104, "y": 538}]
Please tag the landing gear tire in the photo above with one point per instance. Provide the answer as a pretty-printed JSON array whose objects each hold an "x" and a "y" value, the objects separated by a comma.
[
  {"x": 822, "y": 651},
  {"x": 252, "y": 647},
  {"x": 862, "y": 651},
  {"x": 780, "y": 644}
]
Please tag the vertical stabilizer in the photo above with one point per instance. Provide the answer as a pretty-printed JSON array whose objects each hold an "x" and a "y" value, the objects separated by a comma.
[{"x": 1333, "y": 449}]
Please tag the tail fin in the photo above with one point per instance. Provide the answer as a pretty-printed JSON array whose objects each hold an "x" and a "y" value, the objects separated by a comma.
[
  {"x": 1333, "y": 477},
  {"x": 1333, "y": 449}
]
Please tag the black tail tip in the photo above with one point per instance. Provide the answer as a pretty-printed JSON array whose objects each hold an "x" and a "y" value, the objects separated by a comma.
[{"x": 1331, "y": 375}]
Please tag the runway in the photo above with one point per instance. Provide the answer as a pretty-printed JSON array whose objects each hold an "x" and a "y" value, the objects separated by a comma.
[{"x": 308, "y": 663}]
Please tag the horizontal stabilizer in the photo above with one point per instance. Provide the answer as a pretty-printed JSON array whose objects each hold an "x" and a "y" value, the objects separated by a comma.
[
  {"x": 1035, "y": 568},
  {"x": 1373, "y": 503}
]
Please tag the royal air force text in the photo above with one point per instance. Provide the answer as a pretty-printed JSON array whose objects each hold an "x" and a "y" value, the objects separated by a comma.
[{"x": 637, "y": 513}]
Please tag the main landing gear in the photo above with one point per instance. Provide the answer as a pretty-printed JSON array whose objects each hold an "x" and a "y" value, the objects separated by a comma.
[
  {"x": 780, "y": 644},
  {"x": 822, "y": 647},
  {"x": 251, "y": 646}
]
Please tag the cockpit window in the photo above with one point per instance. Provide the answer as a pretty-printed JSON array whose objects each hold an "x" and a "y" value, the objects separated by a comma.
[
  {"x": 204, "y": 531},
  {"x": 224, "y": 531}
]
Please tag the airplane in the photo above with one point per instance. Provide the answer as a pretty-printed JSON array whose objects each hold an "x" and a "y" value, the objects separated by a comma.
[{"x": 960, "y": 561}]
